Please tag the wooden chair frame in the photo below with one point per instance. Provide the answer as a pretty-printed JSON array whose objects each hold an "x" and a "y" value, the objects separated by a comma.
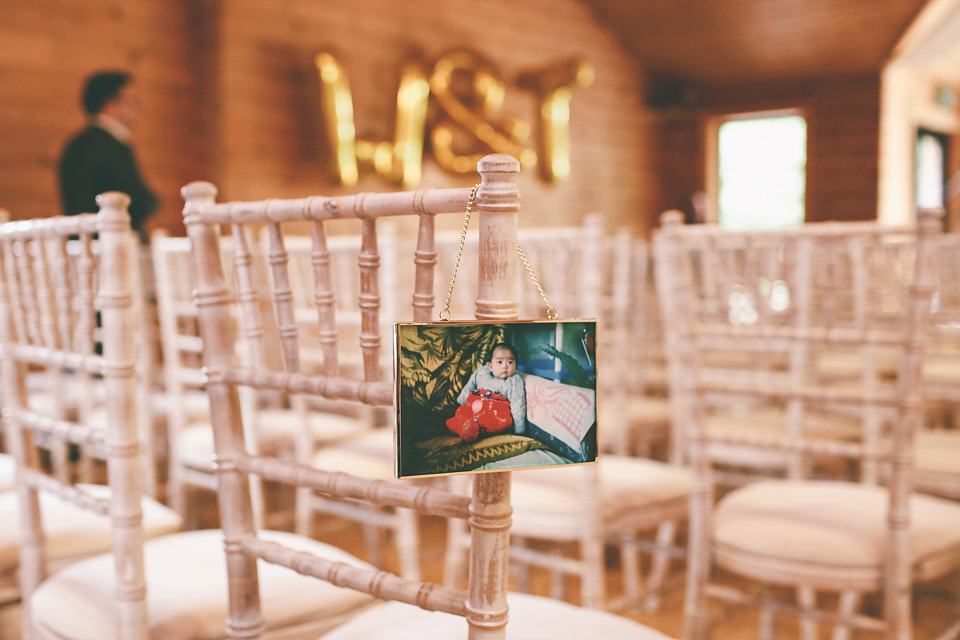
[
  {"x": 41, "y": 327},
  {"x": 488, "y": 511},
  {"x": 689, "y": 332}
]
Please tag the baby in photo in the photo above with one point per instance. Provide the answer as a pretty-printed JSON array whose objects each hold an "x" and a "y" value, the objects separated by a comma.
[{"x": 493, "y": 400}]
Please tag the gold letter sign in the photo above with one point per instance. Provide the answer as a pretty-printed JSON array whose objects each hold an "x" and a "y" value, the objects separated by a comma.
[
  {"x": 469, "y": 95},
  {"x": 397, "y": 162}
]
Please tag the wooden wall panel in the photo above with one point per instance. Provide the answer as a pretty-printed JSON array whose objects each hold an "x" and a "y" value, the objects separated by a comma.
[
  {"x": 230, "y": 94},
  {"x": 271, "y": 137},
  {"x": 843, "y": 119},
  {"x": 47, "y": 49}
]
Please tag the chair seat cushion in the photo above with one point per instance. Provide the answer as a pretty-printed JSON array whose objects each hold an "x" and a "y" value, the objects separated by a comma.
[
  {"x": 368, "y": 456},
  {"x": 769, "y": 423},
  {"x": 278, "y": 428},
  {"x": 8, "y": 469},
  {"x": 827, "y": 534},
  {"x": 648, "y": 409},
  {"x": 72, "y": 531},
  {"x": 938, "y": 451},
  {"x": 936, "y": 456},
  {"x": 187, "y": 591},
  {"x": 531, "y": 618},
  {"x": 941, "y": 368},
  {"x": 545, "y": 498}
]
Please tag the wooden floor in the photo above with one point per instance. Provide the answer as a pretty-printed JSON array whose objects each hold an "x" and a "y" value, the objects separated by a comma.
[{"x": 932, "y": 608}]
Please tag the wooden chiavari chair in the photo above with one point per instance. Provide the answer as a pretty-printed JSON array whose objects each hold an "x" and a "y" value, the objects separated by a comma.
[
  {"x": 154, "y": 584},
  {"x": 622, "y": 498},
  {"x": 52, "y": 298},
  {"x": 484, "y": 604},
  {"x": 7, "y": 463},
  {"x": 345, "y": 436},
  {"x": 189, "y": 437},
  {"x": 639, "y": 417},
  {"x": 807, "y": 531},
  {"x": 937, "y": 448}
]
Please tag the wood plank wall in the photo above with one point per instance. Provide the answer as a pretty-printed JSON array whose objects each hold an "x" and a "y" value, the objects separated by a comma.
[
  {"x": 48, "y": 47},
  {"x": 843, "y": 119},
  {"x": 270, "y": 117},
  {"x": 229, "y": 93}
]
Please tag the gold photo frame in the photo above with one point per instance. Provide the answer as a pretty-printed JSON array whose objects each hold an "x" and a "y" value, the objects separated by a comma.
[{"x": 463, "y": 407}]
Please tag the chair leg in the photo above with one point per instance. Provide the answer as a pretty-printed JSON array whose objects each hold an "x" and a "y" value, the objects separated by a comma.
[
  {"x": 176, "y": 489},
  {"x": 303, "y": 511},
  {"x": 630, "y": 560},
  {"x": 521, "y": 570},
  {"x": 849, "y": 603},
  {"x": 593, "y": 589},
  {"x": 558, "y": 586},
  {"x": 766, "y": 623},
  {"x": 454, "y": 558},
  {"x": 660, "y": 564},
  {"x": 256, "y": 501},
  {"x": 408, "y": 543},
  {"x": 807, "y": 597},
  {"x": 371, "y": 534}
]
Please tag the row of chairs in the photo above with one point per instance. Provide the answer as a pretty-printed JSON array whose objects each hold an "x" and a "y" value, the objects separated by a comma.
[
  {"x": 69, "y": 316},
  {"x": 799, "y": 353},
  {"x": 766, "y": 323}
]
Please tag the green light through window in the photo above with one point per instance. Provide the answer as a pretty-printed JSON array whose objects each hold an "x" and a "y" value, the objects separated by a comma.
[{"x": 762, "y": 172}]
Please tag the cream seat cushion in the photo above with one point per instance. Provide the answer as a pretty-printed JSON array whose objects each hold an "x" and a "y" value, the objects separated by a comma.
[
  {"x": 72, "y": 531},
  {"x": 8, "y": 469},
  {"x": 936, "y": 458},
  {"x": 546, "y": 500},
  {"x": 531, "y": 618},
  {"x": 937, "y": 450},
  {"x": 187, "y": 591},
  {"x": 278, "y": 428},
  {"x": 769, "y": 424},
  {"x": 633, "y": 420},
  {"x": 369, "y": 455},
  {"x": 829, "y": 535},
  {"x": 649, "y": 409},
  {"x": 942, "y": 368}
]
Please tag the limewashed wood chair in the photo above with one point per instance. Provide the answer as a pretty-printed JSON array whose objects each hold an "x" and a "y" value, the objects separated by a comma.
[
  {"x": 156, "y": 582},
  {"x": 564, "y": 519},
  {"x": 746, "y": 318},
  {"x": 51, "y": 300},
  {"x": 485, "y": 603}
]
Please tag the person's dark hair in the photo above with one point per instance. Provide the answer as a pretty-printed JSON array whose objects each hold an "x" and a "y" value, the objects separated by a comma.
[
  {"x": 502, "y": 345},
  {"x": 102, "y": 87}
]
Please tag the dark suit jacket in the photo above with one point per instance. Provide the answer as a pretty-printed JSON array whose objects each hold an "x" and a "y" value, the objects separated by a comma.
[{"x": 94, "y": 161}]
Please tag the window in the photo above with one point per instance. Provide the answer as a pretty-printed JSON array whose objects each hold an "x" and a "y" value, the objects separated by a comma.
[
  {"x": 762, "y": 162},
  {"x": 931, "y": 155}
]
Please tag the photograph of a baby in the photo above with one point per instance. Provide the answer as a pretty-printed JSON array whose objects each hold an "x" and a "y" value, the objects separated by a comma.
[
  {"x": 493, "y": 400},
  {"x": 475, "y": 397}
]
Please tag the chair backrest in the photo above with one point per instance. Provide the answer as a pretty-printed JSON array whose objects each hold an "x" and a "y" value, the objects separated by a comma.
[
  {"x": 745, "y": 314},
  {"x": 180, "y": 337},
  {"x": 72, "y": 313},
  {"x": 943, "y": 379},
  {"x": 343, "y": 252},
  {"x": 565, "y": 259},
  {"x": 488, "y": 511},
  {"x": 757, "y": 285}
]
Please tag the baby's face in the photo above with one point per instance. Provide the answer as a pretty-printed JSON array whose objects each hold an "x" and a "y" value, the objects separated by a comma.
[{"x": 502, "y": 363}]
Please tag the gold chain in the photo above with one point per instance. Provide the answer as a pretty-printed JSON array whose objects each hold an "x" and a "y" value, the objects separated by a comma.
[
  {"x": 552, "y": 313},
  {"x": 456, "y": 263},
  {"x": 551, "y": 310}
]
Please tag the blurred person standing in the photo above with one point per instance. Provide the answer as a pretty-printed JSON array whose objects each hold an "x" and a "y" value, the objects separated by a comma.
[{"x": 99, "y": 157}]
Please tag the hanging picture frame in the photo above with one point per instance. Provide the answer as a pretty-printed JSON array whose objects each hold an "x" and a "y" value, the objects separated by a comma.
[{"x": 489, "y": 396}]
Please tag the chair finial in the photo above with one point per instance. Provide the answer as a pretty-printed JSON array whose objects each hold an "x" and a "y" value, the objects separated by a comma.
[
  {"x": 114, "y": 210},
  {"x": 671, "y": 218}
]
